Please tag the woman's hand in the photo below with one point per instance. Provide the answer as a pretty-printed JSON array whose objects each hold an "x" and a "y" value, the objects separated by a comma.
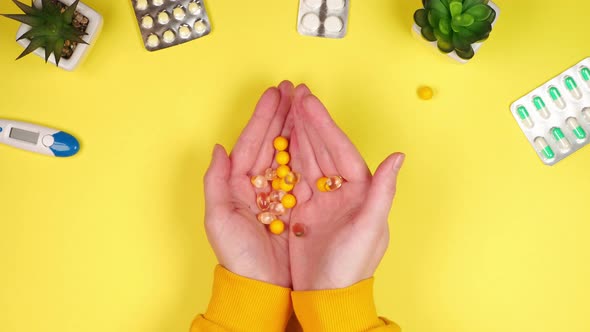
[
  {"x": 346, "y": 231},
  {"x": 242, "y": 244}
]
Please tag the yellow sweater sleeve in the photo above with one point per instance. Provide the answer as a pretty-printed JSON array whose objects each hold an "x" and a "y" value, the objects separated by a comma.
[
  {"x": 241, "y": 304},
  {"x": 349, "y": 309}
]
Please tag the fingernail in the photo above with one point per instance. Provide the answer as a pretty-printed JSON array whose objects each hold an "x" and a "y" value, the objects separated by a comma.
[{"x": 399, "y": 161}]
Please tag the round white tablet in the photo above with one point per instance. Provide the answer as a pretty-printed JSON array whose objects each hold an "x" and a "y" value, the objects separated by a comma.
[
  {"x": 163, "y": 18},
  {"x": 158, "y": 2},
  {"x": 179, "y": 13},
  {"x": 333, "y": 24},
  {"x": 153, "y": 41},
  {"x": 315, "y": 4},
  {"x": 141, "y": 4},
  {"x": 184, "y": 31},
  {"x": 194, "y": 8},
  {"x": 311, "y": 21},
  {"x": 169, "y": 36},
  {"x": 335, "y": 4},
  {"x": 147, "y": 22},
  {"x": 200, "y": 27}
]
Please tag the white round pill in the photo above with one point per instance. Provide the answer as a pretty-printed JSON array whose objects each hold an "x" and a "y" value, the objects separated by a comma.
[
  {"x": 194, "y": 8},
  {"x": 147, "y": 22},
  {"x": 153, "y": 40},
  {"x": 311, "y": 21},
  {"x": 333, "y": 24},
  {"x": 179, "y": 13},
  {"x": 158, "y": 2},
  {"x": 141, "y": 4},
  {"x": 169, "y": 36},
  {"x": 314, "y": 4},
  {"x": 335, "y": 4},
  {"x": 163, "y": 18},
  {"x": 200, "y": 27},
  {"x": 184, "y": 31}
]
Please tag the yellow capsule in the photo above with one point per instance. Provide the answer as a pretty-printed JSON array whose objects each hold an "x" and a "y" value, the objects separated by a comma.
[
  {"x": 284, "y": 186},
  {"x": 276, "y": 184},
  {"x": 259, "y": 181},
  {"x": 283, "y": 158},
  {"x": 280, "y": 143},
  {"x": 425, "y": 93},
  {"x": 292, "y": 178},
  {"x": 283, "y": 170},
  {"x": 321, "y": 184},
  {"x": 289, "y": 201},
  {"x": 277, "y": 227}
]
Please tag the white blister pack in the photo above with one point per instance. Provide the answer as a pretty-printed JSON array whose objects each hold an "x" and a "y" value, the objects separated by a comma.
[
  {"x": 323, "y": 18},
  {"x": 555, "y": 117}
]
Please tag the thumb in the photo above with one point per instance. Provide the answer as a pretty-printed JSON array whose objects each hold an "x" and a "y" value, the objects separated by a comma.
[
  {"x": 216, "y": 179},
  {"x": 383, "y": 188}
]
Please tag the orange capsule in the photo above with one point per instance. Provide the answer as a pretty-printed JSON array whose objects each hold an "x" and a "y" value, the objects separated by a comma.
[
  {"x": 334, "y": 183},
  {"x": 270, "y": 174},
  {"x": 277, "y": 209},
  {"x": 263, "y": 201},
  {"x": 298, "y": 229},
  {"x": 265, "y": 217},
  {"x": 276, "y": 195},
  {"x": 292, "y": 178},
  {"x": 259, "y": 181}
]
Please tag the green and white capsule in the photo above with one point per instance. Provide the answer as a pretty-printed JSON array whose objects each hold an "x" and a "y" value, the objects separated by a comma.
[
  {"x": 544, "y": 148},
  {"x": 572, "y": 87},
  {"x": 585, "y": 73},
  {"x": 556, "y": 96},
  {"x": 562, "y": 141},
  {"x": 524, "y": 116},
  {"x": 586, "y": 114},
  {"x": 540, "y": 106},
  {"x": 576, "y": 128}
]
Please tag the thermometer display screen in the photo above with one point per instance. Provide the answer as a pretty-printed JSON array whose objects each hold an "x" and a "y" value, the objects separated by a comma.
[{"x": 24, "y": 135}]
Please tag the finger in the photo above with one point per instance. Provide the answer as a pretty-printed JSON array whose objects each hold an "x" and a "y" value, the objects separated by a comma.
[
  {"x": 383, "y": 188},
  {"x": 322, "y": 155},
  {"x": 348, "y": 160},
  {"x": 248, "y": 145},
  {"x": 217, "y": 195},
  {"x": 266, "y": 153},
  {"x": 303, "y": 189},
  {"x": 306, "y": 157}
]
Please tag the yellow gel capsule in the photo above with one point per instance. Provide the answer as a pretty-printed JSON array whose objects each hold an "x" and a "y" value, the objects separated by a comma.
[
  {"x": 321, "y": 184},
  {"x": 425, "y": 93},
  {"x": 289, "y": 201},
  {"x": 276, "y": 184},
  {"x": 292, "y": 178},
  {"x": 284, "y": 186},
  {"x": 277, "y": 227},
  {"x": 283, "y": 170},
  {"x": 280, "y": 143},
  {"x": 283, "y": 158}
]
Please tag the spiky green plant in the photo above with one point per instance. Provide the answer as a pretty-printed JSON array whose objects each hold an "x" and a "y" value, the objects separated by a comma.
[
  {"x": 455, "y": 24},
  {"x": 51, "y": 28}
]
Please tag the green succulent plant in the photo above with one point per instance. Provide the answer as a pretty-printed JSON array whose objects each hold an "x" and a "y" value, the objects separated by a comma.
[
  {"x": 51, "y": 27},
  {"x": 455, "y": 24}
]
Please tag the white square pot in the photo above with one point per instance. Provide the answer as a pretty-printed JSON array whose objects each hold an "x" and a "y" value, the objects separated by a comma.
[
  {"x": 95, "y": 22},
  {"x": 418, "y": 31}
]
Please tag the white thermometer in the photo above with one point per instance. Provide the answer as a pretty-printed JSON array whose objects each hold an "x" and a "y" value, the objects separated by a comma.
[{"x": 30, "y": 137}]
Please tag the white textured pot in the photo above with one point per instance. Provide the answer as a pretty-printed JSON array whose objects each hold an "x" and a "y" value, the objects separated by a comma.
[
  {"x": 418, "y": 31},
  {"x": 95, "y": 22}
]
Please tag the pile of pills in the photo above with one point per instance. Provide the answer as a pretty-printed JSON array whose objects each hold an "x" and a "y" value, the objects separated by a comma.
[
  {"x": 273, "y": 204},
  {"x": 323, "y": 18},
  {"x": 555, "y": 117},
  {"x": 329, "y": 183},
  {"x": 165, "y": 23}
]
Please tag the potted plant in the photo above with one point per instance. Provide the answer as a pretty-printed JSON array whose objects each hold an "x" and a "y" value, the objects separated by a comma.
[
  {"x": 65, "y": 28},
  {"x": 457, "y": 27}
]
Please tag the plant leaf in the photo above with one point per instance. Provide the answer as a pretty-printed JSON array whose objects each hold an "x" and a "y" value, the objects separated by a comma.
[
  {"x": 428, "y": 33},
  {"x": 456, "y": 8},
  {"x": 29, "y": 20},
  {"x": 460, "y": 43},
  {"x": 439, "y": 6},
  {"x": 465, "y": 54},
  {"x": 492, "y": 17},
  {"x": 33, "y": 33},
  {"x": 445, "y": 46},
  {"x": 33, "y": 45},
  {"x": 68, "y": 14},
  {"x": 470, "y": 3},
  {"x": 464, "y": 20},
  {"x": 421, "y": 17},
  {"x": 480, "y": 12},
  {"x": 479, "y": 29},
  {"x": 444, "y": 26},
  {"x": 467, "y": 35},
  {"x": 58, "y": 50},
  {"x": 48, "y": 48}
]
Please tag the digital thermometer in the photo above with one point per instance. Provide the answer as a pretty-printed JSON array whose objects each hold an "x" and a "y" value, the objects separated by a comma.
[{"x": 38, "y": 139}]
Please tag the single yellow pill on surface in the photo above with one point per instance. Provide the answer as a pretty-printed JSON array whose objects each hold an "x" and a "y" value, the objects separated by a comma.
[
  {"x": 321, "y": 184},
  {"x": 284, "y": 186},
  {"x": 425, "y": 93},
  {"x": 289, "y": 201},
  {"x": 280, "y": 143},
  {"x": 277, "y": 227},
  {"x": 276, "y": 184},
  {"x": 283, "y": 170},
  {"x": 283, "y": 158}
]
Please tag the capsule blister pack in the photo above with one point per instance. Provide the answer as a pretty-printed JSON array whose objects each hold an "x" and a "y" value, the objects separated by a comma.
[
  {"x": 555, "y": 117},
  {"x": 323, "y": 18},
  {"x": 165, "y": 23}
]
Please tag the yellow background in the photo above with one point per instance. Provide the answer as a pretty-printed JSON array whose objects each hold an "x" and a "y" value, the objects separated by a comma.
[{"x": 485, "y": 238}]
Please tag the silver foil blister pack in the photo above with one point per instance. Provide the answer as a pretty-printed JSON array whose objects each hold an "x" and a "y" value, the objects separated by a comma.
[
  {"x": 555, "y": 117},
  {"x": 323, "y": 18},
  {"x": 166, "y": 23}
]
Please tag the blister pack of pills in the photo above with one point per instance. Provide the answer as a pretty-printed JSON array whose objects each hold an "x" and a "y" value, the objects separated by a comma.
[
  {"x": 555, "y": 117},
  {"x": 323, "y": 18},
  {"x": 165, "y": 23}
]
